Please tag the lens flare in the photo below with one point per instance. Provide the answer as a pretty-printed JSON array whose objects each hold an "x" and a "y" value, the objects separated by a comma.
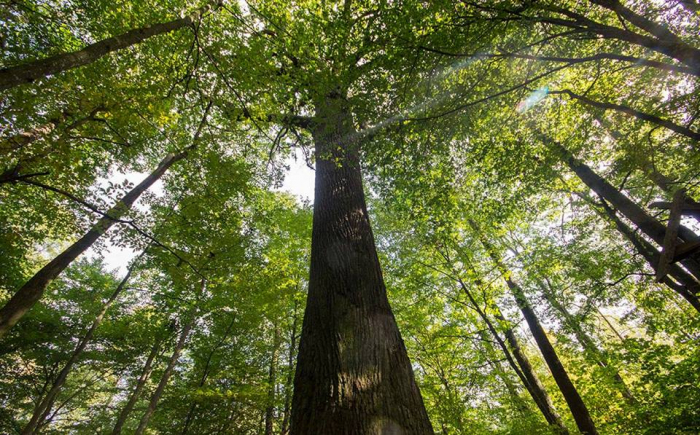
[{"x": 532, "y": 99}]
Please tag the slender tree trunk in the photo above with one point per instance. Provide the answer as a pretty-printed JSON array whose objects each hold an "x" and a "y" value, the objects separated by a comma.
[
  {"x": 573, "y": 399},
  {"x": 205, "y": 373},
  {"x": 561, "y": 377},
  {"x": 29, "y": 72},
  {"x": 590, "y": 348},
  {"x": 645, "y": 222},
  {"x": 677, "y": 279},
  {"x": 140, "y": 383},
  {"x": 32, "y": 291},
  {"x": 523, "y": 369},
  {"x": 646, "y": 164},
  {"x": 488, "y": 349},
  {"x": 272, "y": 384},
  {"x": 290, "y": 373},
  {"x": 680, "y": 129},
  {"x": 155, "y": 398},
  {"x": 353, "y": 373},
  {"x": 675, "y": 46},
  {"x": 598, "y": 355},
  {"x": 44, "y": 407}
]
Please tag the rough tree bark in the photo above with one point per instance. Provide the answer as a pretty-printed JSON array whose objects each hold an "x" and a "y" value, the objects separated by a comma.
[
  {"x": 353, "y": 374},
  {"x": 561, "y": 377},
  {"x": 29, "y": 72}
]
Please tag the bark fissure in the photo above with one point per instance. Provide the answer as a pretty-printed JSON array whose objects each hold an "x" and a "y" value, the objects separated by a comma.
[{"x": 353, "y": 374}]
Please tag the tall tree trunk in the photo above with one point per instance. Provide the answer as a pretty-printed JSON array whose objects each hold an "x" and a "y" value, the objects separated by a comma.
[
  {"x": 32, "y": 291},
  {"x": 677, "y": 48},
  {"x": 664, "y": 43},
  {"x": 522, "y": 368},
  {"x": 561, "y": 377},
  {"x": 43, "y": 409},
  {"x": 205, "y": 373},
  {"x": 573, "y": 399},
  {"x": 645, "y": 222},
  {"x": 140, "y": 383},
  {"x": 29, "y": 72},
  {"x": 599, "y": 355},
  {"x": 587, "y": 343},
  {"x": 519, "y": 403},
  {"x": 353, "y": 373},
  {"x": 272, "y": 384},
  {"x": 680, "y": 129},
  {"x": 647, "y": 166},
  {"x": 290, "y": 373},
  {"x": 165, "y": 378},
  {"x": 677, "y": 279}
]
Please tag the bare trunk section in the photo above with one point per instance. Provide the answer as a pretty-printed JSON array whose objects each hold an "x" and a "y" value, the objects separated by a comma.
[
  {"x": 28, "y": 73},
  {"x": 561, "y": 377},
  {"x": 677, "y": 279},
  {"x": 522, "y": 368},
  {"x": 353, "y": 374},
  {"x": 165, "y": 378},
  {"x": 140, "y": 383},
  {"x": 290, "y": 374},
  {"x": 205, "y": 373},
  {"x": 31, "y": 292},
  {"x": 573, "y": 399},
  {"x": 43, "y": 409},
  {"x": 645, "y": 222},
  {"x": 599, "y": 355},
  {"x": 272, "y": 384}
]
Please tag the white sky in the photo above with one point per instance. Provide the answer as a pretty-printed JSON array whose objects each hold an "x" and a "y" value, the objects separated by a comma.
[
  {"x": 300, "y": 178},
  {"x": 298, "y": 181}
]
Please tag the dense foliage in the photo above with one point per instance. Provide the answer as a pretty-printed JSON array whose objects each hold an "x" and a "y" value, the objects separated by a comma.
[{"x": 514, "y": 156}]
